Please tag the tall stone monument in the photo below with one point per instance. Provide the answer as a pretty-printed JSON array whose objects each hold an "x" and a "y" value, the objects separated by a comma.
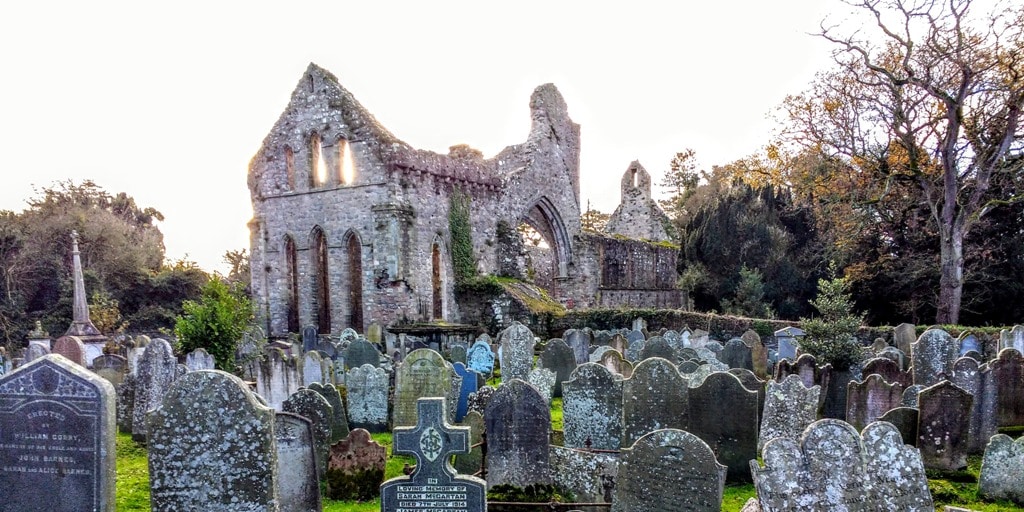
[{"x": 81, "y": 325}]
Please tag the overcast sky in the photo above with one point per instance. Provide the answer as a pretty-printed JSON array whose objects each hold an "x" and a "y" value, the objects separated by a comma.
[{"x": 168, "y": 101}]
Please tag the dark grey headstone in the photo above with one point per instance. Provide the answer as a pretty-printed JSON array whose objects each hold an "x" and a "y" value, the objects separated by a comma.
[
  {"x": 658, "y": 347},
  {"x": 1001, "y": 475},
  {"x": 1008, "y": 376},
  {"x": 433, "y": 485},
  {"x": 736, "y": 354},
  {"x": 942, "y": 430},
  {"x": 978, "y": 381},
  {"x": 457, "y": 354},
  {"x": 212, "y": 447},
  {"x": 634, "y": 336},
  {"x": 314, "y": 407},
  {"x": 668, "y": 469},
  {"x": 559, "y": 358},
  {"x": 934, "y": 354},
  {"x": 724, "y": 415},
  {"x": 579, "y": 341},
  {"x": 367, "y": 393},
  {"x": 297, "y": 477},
  {"x": 868, "y": 400},
  {"x": 126, "y": 404},
  {"x": 57, "y": 431},
  {"x": 518, "y": 425},
  {"x": 478, "y": 401},
  {"x": 471, "y": 463},
  {"x": 309, "y": 338},
  {"x": 592, "y": 408},
  {"x": 752, "y": 383},
  {"x": 634, "y": 352},
  {"x": 339, "y": 420},
  {"x": 655, "y": 397},
  {"x": 156, "y": 372},
  {"x": 910, "y": 396},
  {"x": 361, "y": 352},
  {"x": 905, "y": 420}
]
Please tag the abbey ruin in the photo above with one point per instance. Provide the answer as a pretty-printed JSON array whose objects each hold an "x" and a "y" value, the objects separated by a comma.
[{"x": 352, "y": 226}]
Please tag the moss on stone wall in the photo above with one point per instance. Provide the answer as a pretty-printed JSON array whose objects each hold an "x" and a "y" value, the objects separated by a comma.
[{"x": 461, "y": 232}]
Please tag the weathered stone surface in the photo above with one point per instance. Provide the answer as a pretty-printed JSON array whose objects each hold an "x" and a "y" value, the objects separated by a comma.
[
  {"x": 157, "y": 370},
  {"x": 896, "y": 355},
  {"x": 736, "y": 354},
  {"x": 468, "y": 385},
  {"x": 200, "y": 359},
  {"x": 655, "y": 397},
  {"x": 599, "y": 352},
  {"x": 869, "y": 399},
  {"x": 589, "y": 475},
  {"x": 969, "y": 343},
  {"x": 1002, "y": 470},
  {"x": 592, "y": 408},
  {"x": 615, "y": 363},
  {"x": 339, "y": 420},
  {"x": 618, "y": 342},
  {"x": 787, "y": 339},
  {"x": 658, "y": 347},
  {"x": 1012, "y": 338},
  {"x": 668, "y": 469},
  {"x": 752, "y": 383},
  {"x": 634, "y": 352},
  {"x": 457, "y": 354},
  {"x": 895, "y": 471},
  {"x": 903, "y": 336},
  {"x": 543, "y": 380},
  {"x": 297, "y": 477},
  {"x": 634, "y": 336},
  {"x": 517, "y": 342},
  {"x": 211, "y": 447},
  {"x": 433, "y": 484},
  {"x": 35, "y": 351},
  {"x": 480, "y": 358},
  {"x": 560, "y": 359},
  {"x": 314, "y": 407},
  {"x": 361, "y": 352},
  {"x": 518, "y": 422},
  {"x": 112, "y": 367},
  {"x": 724, "y": 415},
  {"x": 57, "y": 431},
  {"x": 355, "y": 467},
  {"x": 943, "y": 426},
  {"x": 789, "y": 408},
  {"x": 806, "y": 366},
  {"x": 888, "y": 369},
  {"x": 579, "y": 341},
  {"x": 423, "y": 373},
  {"x": 126, "y": 404},
  {"x": 934, "y": 354},
  {"x": 277, "y": 377},
  {"x": 309, "y": 338},
  {"x": 1008, "y": 377},
  {"x": 978, "y": 381},
  {"x": 313, "y": 369},
  {"x": 910, "y": 396},
  {"x": 478, "y": 401},
  {"x": 367, "y": 398},
  {"x": 71, "y": 347},
  {"x": 905, "y": 420},
  {"x": 471, "y": 462}
]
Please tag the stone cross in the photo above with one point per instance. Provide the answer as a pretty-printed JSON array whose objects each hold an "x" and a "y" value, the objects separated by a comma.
[{"x": 434, "y": 484}]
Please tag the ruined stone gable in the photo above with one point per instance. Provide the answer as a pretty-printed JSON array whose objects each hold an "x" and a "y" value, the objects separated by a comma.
[{"x": 638, "y": 215}]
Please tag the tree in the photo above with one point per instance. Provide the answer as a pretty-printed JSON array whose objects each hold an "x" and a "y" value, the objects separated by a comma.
[
  {"x": 749, "y": 299},
  {"x": 830, "y": 336},
  {"x": 215, "y": 322},
  {"x": 593, "y": 220},
  {"x": 239, "y": 273},
  {"x": 932, "y": 96},
  {"x": 681, "y": 180}
]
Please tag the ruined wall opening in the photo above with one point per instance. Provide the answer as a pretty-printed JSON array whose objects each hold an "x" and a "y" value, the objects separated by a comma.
[
  {"x": 539, "y": 257},
  {"x": 346, "y": 167},
  {"x": 354, "y": 281},
  {"x": 321, "y": 281},
  {"x": 544, "y": 218},
  {"x": 317, "y": 166},
  {"x": 289, "y": 166},
  {"x": 437, "y": 282},
  {"x": 292, "y": 279}
]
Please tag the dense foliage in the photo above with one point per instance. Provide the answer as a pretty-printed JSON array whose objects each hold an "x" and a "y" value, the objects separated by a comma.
[
  {"x": 461, "y": 231},
  {"x": 215, "y": 322},
  {"x": 830, "y": 335}
]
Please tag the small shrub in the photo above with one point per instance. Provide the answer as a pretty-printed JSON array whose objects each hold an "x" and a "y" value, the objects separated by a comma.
[{"x": 831, "y": 336}]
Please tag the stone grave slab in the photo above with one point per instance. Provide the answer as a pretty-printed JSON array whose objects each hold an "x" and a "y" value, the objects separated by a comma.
[
  {"x": 112, "y": 367},
  {"x": 668, "y": 469},
  {"x": 156, "y": 372},
  {"x": 869, "y": 399},
  {"x": 903, "y": 336},
  {"x": 355, "y": 467},
  {"x": 978, "y": 381},
  {"x": 655, "y": 397},
  {"x": 423, "y": 373},
  {"x": 339, "y": 420},
  {"x": 615, "y": 363},
  {"x": 517, "y": 424},
  {"x": 910, "y": 396},
  {"x": 478, "y": 401},
  {"x": 658, "y": 347},
  {"x": 560, "y": 359},
  {"x": 905, "y": 420},
  {"x": 200, "y": 359},
  {"x": 588, "y": 474},
  {"x": 457, "y": 354},
  {"x": 895, "y": 471},
  {"x": 1002, "y": 470},
  {"x": 313, "y": 406},
  {"x": 277, "y": 377},
  {"x": 933, "y": 354},
  {"x": 724, "y": 415},
  {"x": 309, "y": 338},
  {"x": 592, "y": 408},
  {"x": 361, "y": 352},
  {"x": 471, "y": 462},
  {"x": 367, "y": 389},
  {"x": 789, "y": 408},
  {"x": 543, "y": 380},
  {"x": 1008, "y": 377},
  {"x": 942, "y": 428},
  {"x": 480, "y": 358},
  {"x": 297, "y": 479},
  {"x": 888, "y": 369}
]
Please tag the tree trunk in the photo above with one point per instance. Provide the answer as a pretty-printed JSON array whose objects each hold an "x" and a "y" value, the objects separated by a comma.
[{"x": 951, "y": 281}]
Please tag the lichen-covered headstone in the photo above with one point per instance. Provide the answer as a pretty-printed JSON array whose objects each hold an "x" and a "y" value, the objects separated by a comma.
[
  {"x": 736, "y": 354},
  {"x": 355, "y": 468},
  {"x": 518, "y": 425},
  {"x": 806, "y": 366},
  {"x": 71, "y": 347},
  {"x": 200, "y": 359},
  {"x": 57, "y": 431},
  {"x": 517, "y": 344},
  {"x": 658, "y": 347},
  {"x": 480, "y": 358},
  {"x": 367, "y": 388},
  {"x": 211, "y": 447},
  {"x": 978, "y": 381},
  {"x": 1002, "y": 470},
  {"x": 942, "y": 428},
  {"x": 434, "y": 483},
  {"x": 277, "y": 377},
  {"x": 724, "y": 415},
  {"x": 634, "y": 352},
  {"x": 423, "y": 373},
  {"x": 112, "y": 367},
  {"x": 592, "y": 408},
  {"x": 668, "y": 469},
  {"x": 894, "y": 470},
  {"x": 471, "y": 462},
  {"x": 35, "y": 351},
  {"x": 1008, "y": 376},
  {"x": 361, "y": 352},
  {"x": 543, "y": 380},
  {"x": 560, "y": 359},
  {"x": 579, "y": 341},
  {"x": 314, "y": 407},
  {"x": 339, "y": 419},
  {"x": 126, "y": 404},
  {"x": 589, "y": 475},
  {"x": 934, "y": 354},
  {"x": 478, "y": 401},
  {"x": 869, "y": 399},
  {"x": 655, "y": 397},
  {"x": 297, "y": 477},
  {"x": 888, "y": 369},
  {"x": 910, "y": 396},
  {"x": 468, "y": 385},
  {"x": 789, "y": 407},
  {"x": 157, "y": 370},
  {"x": 599, "y": 352}
]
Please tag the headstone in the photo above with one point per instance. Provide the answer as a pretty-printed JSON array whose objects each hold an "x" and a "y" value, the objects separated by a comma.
[
  {"x": 200, "y": 359},
  {"x": 374, "y": 333},
  {"x": 1008, "y": 375},
  {"x": 878, "y": 345},
  {"x": 978, "y": 381},
  {"x": 277, "y": 377},
  {"x": 968, "y": 343},
  {"x": 468, "y": 385},
  {"x": 312, "y": 368},
  {"x": 458, "y": 354},
  {"x": 424, "y": 373},
  {"x": 478, "y": 401},
  {"x": 589, "y": 475},
  {"x": 211, "y": 446},
  {"x": 543, "y": 380},
  {"x": 470, "y": 463},
  {"x": 1002, "y": 477},
  {"x": 699, "y": 338},
  {"x": 579, "y": 341},
  {"x": 309, "y": 338},
  {"x": 361, "y": 352},
  {"x": 634, "y": 352},
  {"x": 518, "y": 422},
  {"x": 35, "y": 351},
  {"x": 934, "y": 354},
  {"x": 517, "y": 344},
  {"x": 787, "y": 340},
  {"x": 57, "y": 431},
  {"x": 658, "y": 347},
  {"x": 599, "y": 352},
  {"x": 433, "y": 485},
  {"x": 592, "y": 408},
  {"x": 655, "y": 397},
  {"x": 752, "y": 383},
  {"x": 895, "y": 355},
  {"x": 355, "y": 468},
  {"x": 943, "y": 426},
  {"x": 157, "y": 371},
  {"x": 789, "y": 408},
  {"x": 560, "y": 359},
  {"x": 903, "y": 336},
  {"x": 668, "y": 469},
  {"x": 126, "y": 404},
  {"x": 806, "y": 366},
  {"x": 910, "y": 396},
  {"x": 297, "y": 478},
  {"x": 314, "y": 407},
  {"x": 480, "y": 358},
  {"x": 70, "y": 347},
  {"x": 339, "y": 420},
  {"x": 634, "y": 336},
  {"x": 1013, "y": 338},
  {"x": 895, "y": 471},
  {"x": 618, "y": 342},
  {"x": 736, "y": 354},
  {"x": 724, "y": 415},
  {"x": 869, "y": 399},
  {"x": 111, "y": 367},
  {"x": 759, "y": 358},
  {"x": 888, "y": 369},
  {"x": 615, "y": 363},
  {"x": 905, "y": 420},
  {"x": 367, "y": 393}
]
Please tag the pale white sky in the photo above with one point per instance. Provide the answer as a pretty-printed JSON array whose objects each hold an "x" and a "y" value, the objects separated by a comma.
[{"x": 168, "y": 101}]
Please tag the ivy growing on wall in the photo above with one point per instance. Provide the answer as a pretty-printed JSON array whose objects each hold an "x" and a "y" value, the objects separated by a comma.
[{"x": 462, "y": 238}]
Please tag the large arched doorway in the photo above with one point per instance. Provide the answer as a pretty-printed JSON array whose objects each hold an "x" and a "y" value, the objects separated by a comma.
[
  {"x": 354, "y": 281},
  {"x": 292, "y": 279},
  {"x": 321, "y": 281},
  {"x": 546, "y": 243}
]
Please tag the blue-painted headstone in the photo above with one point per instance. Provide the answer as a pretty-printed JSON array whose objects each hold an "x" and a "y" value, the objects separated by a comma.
[
  {"x": 969, "y": 343},
  {"x": 469, "y": 385},
  {"x": 480, "y": 358},
  {"x": 434, "y": 485}
]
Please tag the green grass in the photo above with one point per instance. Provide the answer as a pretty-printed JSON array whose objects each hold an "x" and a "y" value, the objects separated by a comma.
[{"x": 132, "y": 475}]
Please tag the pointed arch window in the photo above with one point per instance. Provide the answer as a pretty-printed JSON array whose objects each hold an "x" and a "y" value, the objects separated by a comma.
[
  {"x": 321, "y": 281},
  {"x": 292, "y": 279}
]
